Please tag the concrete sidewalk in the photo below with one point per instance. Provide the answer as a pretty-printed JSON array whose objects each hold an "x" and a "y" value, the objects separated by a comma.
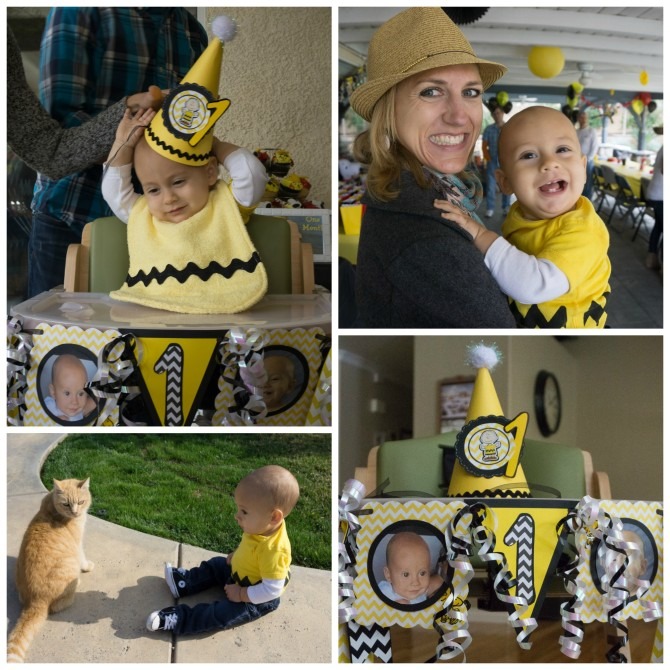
[{"x": 106, "y": 623}]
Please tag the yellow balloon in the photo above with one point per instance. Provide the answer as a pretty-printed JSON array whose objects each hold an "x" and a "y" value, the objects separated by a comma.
[
  {"x": 644, "y": 77},
  {"x": 637, "y": 105},
  {"x": 546, "y": 62}
]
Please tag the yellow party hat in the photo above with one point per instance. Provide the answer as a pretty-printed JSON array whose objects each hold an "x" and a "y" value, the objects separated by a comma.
[
  {"x": 489, "y": 445},
  {"x": 183, "y": 129}
]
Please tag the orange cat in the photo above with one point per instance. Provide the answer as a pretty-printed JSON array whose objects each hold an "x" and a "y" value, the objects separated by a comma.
[{"x": 50, "y": 560}]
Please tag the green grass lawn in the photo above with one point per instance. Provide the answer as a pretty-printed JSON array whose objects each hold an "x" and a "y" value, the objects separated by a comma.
[{"x": 181, "y": 487}]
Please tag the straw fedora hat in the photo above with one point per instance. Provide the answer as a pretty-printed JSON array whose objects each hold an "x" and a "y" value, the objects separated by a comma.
[{"x": 417, "y": 39}]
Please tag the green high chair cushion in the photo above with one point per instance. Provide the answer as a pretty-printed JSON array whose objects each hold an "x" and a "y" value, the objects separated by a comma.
[{"x": 108, "y": 255}]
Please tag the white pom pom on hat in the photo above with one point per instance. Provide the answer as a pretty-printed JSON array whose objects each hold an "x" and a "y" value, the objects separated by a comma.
[
  {"x": 482, "y": 355},
  {"x": 224, "y": 28}
]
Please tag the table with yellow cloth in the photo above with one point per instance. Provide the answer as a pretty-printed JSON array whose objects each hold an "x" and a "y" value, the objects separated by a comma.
[{"x": 632, "y": 173}]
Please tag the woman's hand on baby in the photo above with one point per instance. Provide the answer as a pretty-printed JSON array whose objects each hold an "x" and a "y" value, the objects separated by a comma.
[
  {"x": 456, "y": 214},
  {"x": 481, "y": 236}
]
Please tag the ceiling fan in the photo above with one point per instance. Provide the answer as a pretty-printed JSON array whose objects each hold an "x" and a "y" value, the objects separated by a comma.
[{"x": 586, "y": 75}]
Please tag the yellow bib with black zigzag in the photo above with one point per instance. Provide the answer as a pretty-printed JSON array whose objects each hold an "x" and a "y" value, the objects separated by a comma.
[{"x": 206, "y": 264}]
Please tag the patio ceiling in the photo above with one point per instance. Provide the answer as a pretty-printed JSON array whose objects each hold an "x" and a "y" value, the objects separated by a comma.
[{"x": 606, "y": 47}]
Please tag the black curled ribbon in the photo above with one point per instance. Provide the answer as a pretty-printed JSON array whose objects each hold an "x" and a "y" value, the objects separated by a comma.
[
  {"x": 485, "y": 540},
  {"x": 241, "y": 355},
  {"x": 615, "y": 554},
  {"x": 117, "y": 361},
  {"x": 19, "y": 345}
]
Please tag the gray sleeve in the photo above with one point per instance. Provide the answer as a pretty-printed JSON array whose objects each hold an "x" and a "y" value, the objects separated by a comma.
[{"x": 39, "y": 140}]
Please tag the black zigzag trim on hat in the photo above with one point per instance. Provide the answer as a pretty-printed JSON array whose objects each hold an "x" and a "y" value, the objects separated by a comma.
[
  {"x": 494, "y": 493},
  {"x": 176, "y": 152},
  {"x": 192, "y": 269}
]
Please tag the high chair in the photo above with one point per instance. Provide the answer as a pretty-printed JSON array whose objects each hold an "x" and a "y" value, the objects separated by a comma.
[{"x": 100, "y": 263}]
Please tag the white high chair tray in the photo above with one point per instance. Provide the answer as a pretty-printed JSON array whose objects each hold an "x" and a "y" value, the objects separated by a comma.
[{"x": 98, "y": 310}]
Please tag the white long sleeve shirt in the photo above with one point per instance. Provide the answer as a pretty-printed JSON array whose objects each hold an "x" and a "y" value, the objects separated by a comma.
[{"x": 247, "y": 174}]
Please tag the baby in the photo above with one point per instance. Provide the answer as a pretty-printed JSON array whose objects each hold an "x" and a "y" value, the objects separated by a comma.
[
  {"x": 408, "y": 578},
  {"x": 174, "y": 191},
  {"x": 67, "y": 397},
  {"x": 637, "y": 563},
  {"x": 280, "y": 382},
  {"x": 552, "y": 259},
  {"x": 254, "y": 576}
]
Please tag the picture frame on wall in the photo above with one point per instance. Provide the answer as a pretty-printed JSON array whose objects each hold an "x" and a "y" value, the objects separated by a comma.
[{"x": 453, "y": 401}]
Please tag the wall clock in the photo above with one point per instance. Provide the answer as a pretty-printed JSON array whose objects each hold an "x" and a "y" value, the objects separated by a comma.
[{"x": 547, "y": 402}]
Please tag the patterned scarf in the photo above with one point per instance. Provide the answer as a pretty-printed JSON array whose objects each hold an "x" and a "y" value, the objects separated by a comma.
[{"x": 465, "y": 190}]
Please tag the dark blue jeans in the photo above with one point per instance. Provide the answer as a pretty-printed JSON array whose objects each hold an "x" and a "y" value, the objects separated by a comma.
[
  {"x": 491, "y": 189},
  {"x": 219, "y": 615},
  {"x": 588, "y": 184},
  {"x": 47, "y": 248}
]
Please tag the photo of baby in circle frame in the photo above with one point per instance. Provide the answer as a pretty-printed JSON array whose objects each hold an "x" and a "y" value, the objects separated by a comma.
[
  {"x": 62, "y": 377},
  {"x": 642, "y": 565},
  {"x": 406, "y": 565},
  {"x": 287, "y": 377}
]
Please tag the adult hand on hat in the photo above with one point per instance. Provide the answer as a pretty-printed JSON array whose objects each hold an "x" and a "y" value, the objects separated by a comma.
[
  {"x": 151, "y": 99},
  {"x": 128, "y": 134}
]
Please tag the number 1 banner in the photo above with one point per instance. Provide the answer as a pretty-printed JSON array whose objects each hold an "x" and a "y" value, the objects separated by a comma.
[{"x": 410, "y": 562}]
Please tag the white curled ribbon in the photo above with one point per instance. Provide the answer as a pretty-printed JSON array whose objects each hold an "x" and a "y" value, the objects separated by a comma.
[
  {"x": 242, "y": 351},
  {"x": 614, "y": 553},
  {"x": 117, "y": 361},
  {"x": 352, "y": 495},
  {"x": 19, "y": 345},
  {"x": 459, "y": 547},
  {"x": 571, "y": 641},
  {"x": 503, "y": 581}
]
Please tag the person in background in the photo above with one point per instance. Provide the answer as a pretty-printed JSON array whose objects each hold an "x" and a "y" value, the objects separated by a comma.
[
  {"x": 423, "y": 99},
  {"x": 39, "y": 140},
  {"x": 654, "y": 197},
  {"x": 490, "y": 149},
  {"x": 90, "y": 58},
  {"x": 589, "y": 142}
]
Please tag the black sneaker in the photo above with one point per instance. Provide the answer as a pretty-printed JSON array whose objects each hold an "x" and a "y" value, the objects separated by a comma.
[
  {"x": 174, "y": 577},
  {"x": 165, "y": 619}
]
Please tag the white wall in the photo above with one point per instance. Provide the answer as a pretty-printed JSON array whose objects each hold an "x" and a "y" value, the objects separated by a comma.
[
  {"x": 611, "y": 388},
  {"x": 277, "y": 74},
  {"x": 360, "y": 428}
]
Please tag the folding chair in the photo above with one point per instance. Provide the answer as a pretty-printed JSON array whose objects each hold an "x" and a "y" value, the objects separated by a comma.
[
  {"x": 626, "y": 201},
  {"x": 610, "y": 187},
  {"x": 599, "y": 186},
  {"x": 646, "y": 209}
]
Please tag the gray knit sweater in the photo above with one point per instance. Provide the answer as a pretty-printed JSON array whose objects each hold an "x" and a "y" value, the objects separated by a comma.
[
  {"x": 418, "y": 270},
  {"x": 39, "y": 140}
]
